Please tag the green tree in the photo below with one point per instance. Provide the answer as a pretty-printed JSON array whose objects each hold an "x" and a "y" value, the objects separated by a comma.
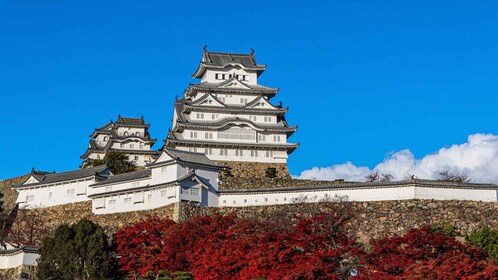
[
  {"x": 81, "y": 251},
  {"x": 487, "y": 239},
  {"x": 117, "y": 162}
]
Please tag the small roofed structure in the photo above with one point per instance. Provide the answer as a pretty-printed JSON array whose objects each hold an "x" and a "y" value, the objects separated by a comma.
[
  {"x": 127, "y": 135},
  {"x": 176, "y": 176},
  {"x": 43, "y": 189}
]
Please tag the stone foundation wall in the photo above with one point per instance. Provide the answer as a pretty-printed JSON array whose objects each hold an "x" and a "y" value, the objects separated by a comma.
[
  {"x": 23, "y": 272},
  {"x": 10, "y": 195},
  {"x": 253, "y": 169},
  {"x": 378, "y": 219},
  {"x": 234, "y": 183},
  {"x": 52, "y": 217}
]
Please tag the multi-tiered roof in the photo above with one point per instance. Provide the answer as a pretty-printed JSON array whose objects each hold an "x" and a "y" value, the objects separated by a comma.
[
  {"x": 228, "y": 101},
  {"x": 127, "y": 135}
]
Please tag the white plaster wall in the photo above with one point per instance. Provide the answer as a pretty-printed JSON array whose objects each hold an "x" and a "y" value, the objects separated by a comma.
[
  {"x": 377, "y": 194},
  {"x": 462, "y": 194},
  {"x": 217, "y": 116},
  {"x": 131, "y": 130},
  {"x": 278, "y": 156},
  {"x": 59, "y": 194},
  {"x": 210, "y": 77},
  {"x": 17, "y": 259},
  {"x": 275, "y": 198},
  {"x": 170, "y": 174},
  {"x": 122, "y": 186},
  {"x": 257, "y": 137},
  {"x": 151, "y": 199}
]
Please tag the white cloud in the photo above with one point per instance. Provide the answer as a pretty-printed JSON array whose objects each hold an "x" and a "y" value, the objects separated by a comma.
[{"x": 477, "y": 158}]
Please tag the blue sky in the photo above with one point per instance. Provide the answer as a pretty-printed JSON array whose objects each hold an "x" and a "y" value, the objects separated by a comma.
[{"x": 363, "y": 79}]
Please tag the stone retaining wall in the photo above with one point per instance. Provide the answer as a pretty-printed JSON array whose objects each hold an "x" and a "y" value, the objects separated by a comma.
[
  {"x": 377, "y": 219},
  {"x": 54, "y": 216},
  {"x": 253, "y": 169},
  {"x": 235, "y": 183},
  {"x": 23, "y": 272}
]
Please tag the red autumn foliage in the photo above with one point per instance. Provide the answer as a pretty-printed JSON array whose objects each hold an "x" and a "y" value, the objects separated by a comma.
[
  {"x": 228, "y": 247},
  {"x": 424, "y": 254}
]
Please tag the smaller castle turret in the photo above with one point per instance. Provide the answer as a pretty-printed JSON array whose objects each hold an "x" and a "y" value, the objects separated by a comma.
[{"x": 127, "y": 135}]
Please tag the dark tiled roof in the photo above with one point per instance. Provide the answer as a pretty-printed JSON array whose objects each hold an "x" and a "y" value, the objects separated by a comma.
[
  {"x": 221, "y": 59},
  {"x": 190, "y": 157},
  {"x": 124, "y": 177},
  {"x": 173, "y": 141},
  {"x": 130, "y": 121},
  {"x": 219, "y": 87},
  {"x": 67, "y": 176},
  {"x": 279, "y": 127},
  {"x": 370, "y": 185}
]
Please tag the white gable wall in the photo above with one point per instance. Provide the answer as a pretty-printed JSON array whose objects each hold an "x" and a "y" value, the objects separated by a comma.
[{"x": 54, "y": 194}]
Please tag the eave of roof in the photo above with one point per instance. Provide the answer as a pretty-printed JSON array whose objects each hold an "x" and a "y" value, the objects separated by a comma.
[
  {"x": 368, "y": 185},
  {"x": 227, "y": 121},
  {"x": 290, "y": 147},
  {"x": 130, "y": 176},
  {"x": 54, "y": 178},
  {"x": 277, "y": 111}
]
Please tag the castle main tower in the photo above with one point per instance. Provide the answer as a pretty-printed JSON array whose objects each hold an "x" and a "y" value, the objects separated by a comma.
[{"x": 229, "y": 116}]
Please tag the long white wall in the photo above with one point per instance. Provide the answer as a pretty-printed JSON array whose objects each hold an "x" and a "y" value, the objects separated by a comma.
[
  {"x": 136, "y": 201},
  {"x": 241, "y": 199},
  {"x": 17, "y": 258},
  {"x": 55, "y": 194}
]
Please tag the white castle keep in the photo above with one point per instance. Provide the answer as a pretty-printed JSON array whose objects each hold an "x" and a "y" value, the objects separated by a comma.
[
  {"x": 228, "y": 115},
  {"x": 228, "y": 118}
]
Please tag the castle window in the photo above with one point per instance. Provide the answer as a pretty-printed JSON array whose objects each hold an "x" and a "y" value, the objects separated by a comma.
[
  {"x": 141, "y": 146},
  {"x": 210, "y": 151},
  {"x": 230, "y": 76},
  {"x": 223, "y": 76},
  {"x": 243, "y": 77},
  {"x": 193, "y": 134},
  {"x": 106, "y": 138},
  {"x": 163, "y": 193},
  {"x": 70, "y": 192},
  {"x": 136, "y": 158},
  {"x": 223, "y": 152},
  {"x": 237, "y": 77},
  {"x": 132, "y": 146},
  {"x": 121, "y": 145},
  {"x": 30, "y": 198},
  {"x": 209, "y": 135},
  {"x": 216, "y": 76},
  {"x": 125, "y": 133},
  {"x": 245, "y": 200},
  {"x": 164, "y": 169},
  {"x": 239, "y": 152},
  {"x": 108, "y": 189},
  {"x": 50, "y": 195},
  {"x": 266, "y": 199},
  {"x": 137, "y": 134},
  {"x": 149, "y": 197},
  {"x": 195, "y": 191},
  {"x": 112, "y": 203},
  {"x": 127, "y": 200}
]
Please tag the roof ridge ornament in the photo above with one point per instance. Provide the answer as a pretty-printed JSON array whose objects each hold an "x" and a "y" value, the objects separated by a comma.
[
  {"x": 252, "y": 51},
  {"x": 205, "y": 48}
]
